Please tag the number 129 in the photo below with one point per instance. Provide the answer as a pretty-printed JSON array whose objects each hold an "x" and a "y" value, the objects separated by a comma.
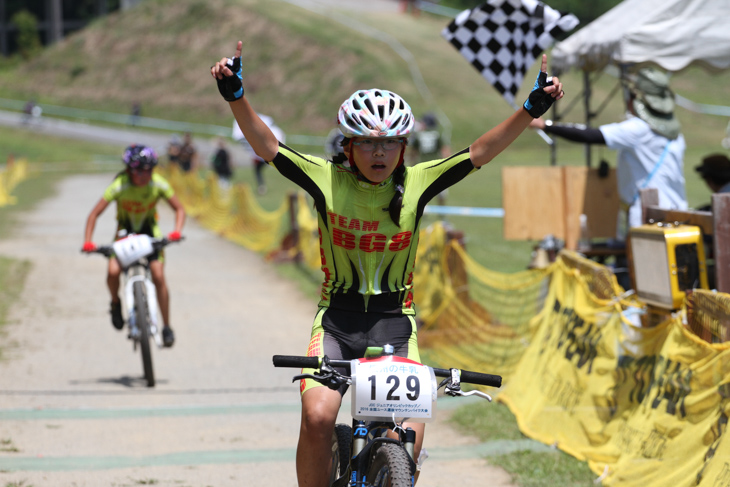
[{"x": 412, "y": 384}]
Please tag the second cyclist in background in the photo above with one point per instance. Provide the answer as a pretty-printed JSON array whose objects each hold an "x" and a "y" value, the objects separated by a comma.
[{"x": 137, "y": 190}]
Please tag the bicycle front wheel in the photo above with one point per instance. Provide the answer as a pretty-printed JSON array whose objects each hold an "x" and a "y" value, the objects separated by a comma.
[
  {"x": 341, "y": 448},
  {"x": 141, "y": 309},
  {"x": 390, "y": 467}
]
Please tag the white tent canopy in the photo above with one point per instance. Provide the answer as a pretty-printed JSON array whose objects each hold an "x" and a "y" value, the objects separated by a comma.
[{"x": 673, "y": 34}]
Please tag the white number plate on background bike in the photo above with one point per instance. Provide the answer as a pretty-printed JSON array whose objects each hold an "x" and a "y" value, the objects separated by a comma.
[
  {"x": 388, "y": 386},
  {"x": 132, "y": 248}
]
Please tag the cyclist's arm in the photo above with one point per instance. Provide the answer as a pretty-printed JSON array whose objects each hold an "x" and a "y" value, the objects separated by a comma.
[
  {"x": 175, "y": 204},
  {"x": 259, "y": 136},
  {"x": 262, "y": 140},
  {"x": 489, "y": 145},
  {"x": 91, "y": 220}
]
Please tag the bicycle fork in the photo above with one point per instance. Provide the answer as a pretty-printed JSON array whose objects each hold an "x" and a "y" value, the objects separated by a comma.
[
  {"x": 362, "y": 449},
  {"x": 151, "y": 293}
]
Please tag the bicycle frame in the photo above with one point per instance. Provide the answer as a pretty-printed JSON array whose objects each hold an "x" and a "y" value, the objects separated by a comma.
[
  {"x": 138, "y": 293},
  {"x": 137, "y": 272}
]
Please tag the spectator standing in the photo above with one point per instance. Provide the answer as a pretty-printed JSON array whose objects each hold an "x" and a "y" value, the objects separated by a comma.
[
  {"x": 715, "y": 171},
  {"x": 173, "y": 150},
  {"x": 649, "y": 144},
  {"x": 222, "y": 164},
  {"x": 28, "y": 111},
  {"x": 428, "y": 145},
  {"x": 333, "y": 144},
  {"x": 188, "y": 156},
  {"x": 135, "y": 114},
  {"x": 257, "y": 162}
]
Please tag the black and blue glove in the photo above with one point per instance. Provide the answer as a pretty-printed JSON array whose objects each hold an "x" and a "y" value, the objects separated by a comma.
[
  {"x": 539, "y": 102},
  {"x": 231, "y": 87}
]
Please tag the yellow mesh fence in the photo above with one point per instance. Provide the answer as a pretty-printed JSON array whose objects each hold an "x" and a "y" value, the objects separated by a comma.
[
  {"x": 233, "y": 213},
  {"x": 471, "y": 317},
  {"x": 13, "y": 173}
]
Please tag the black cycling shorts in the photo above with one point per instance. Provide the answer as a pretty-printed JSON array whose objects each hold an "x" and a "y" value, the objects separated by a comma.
[{"x": 345, "y": 335}]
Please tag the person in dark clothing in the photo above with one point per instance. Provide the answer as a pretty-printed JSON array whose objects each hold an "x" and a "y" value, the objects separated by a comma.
[
  {"x": 188, "y": 155},
  {"x": 222, "y": 164}
]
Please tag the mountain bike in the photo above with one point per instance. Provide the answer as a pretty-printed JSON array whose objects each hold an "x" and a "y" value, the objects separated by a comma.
[
  {"x": 138, "y": 293},
  {"x": 386, "y": 392}
]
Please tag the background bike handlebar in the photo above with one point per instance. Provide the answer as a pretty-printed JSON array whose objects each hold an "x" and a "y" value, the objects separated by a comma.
[
  {"x": 467, "y": 376},
  {"x": 157, "y": 244}
]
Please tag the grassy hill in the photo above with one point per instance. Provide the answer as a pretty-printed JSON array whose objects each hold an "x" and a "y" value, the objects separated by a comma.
[{"x": 300, "y": 65}]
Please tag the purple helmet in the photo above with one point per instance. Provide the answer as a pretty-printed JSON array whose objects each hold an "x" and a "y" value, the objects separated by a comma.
[{"x": 139, "y": 157}]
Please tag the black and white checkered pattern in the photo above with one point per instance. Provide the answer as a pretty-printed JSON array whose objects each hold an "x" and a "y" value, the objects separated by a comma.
[{"x": 502, "y": 38}]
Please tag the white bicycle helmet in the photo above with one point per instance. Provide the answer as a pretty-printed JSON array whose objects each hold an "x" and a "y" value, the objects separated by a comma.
[{"x": 375, "y": 113}]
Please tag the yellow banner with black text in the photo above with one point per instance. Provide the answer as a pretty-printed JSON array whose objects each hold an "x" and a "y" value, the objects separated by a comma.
[{"x": 644, "y": 406}]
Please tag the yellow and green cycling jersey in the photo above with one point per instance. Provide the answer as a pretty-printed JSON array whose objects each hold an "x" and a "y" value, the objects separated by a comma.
[
  {"x": 367, "y": 259},
  {"x": 136, "y": 205}
]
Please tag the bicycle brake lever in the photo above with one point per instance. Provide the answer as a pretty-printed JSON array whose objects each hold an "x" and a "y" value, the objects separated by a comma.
[
  {"x": 452, "y": 392},
  {"x": 305, "y": 376}
]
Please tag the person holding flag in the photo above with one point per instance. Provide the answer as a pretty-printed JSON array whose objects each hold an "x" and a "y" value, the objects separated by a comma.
[{"x": 369, "y": 207}]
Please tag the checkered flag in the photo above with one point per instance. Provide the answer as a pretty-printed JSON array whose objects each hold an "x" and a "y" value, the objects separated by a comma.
[{"x": 502, "y": 38}]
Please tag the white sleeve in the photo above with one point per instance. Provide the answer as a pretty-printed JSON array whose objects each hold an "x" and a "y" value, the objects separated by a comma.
[{"x": 623, "y": 135}]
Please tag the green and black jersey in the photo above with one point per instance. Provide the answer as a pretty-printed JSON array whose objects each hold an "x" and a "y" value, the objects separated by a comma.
[
  {"x": 366, "y": 258},
  {"x": 136, "y": 205}
]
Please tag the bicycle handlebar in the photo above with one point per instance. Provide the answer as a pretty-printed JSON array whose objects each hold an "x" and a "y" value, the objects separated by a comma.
[
  {"x": 466, "y": 376},
  {"x": 157, "y": 244},
  {"x": 472, "y": 377}
]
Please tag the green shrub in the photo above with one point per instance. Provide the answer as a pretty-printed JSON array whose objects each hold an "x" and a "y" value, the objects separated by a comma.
[{"x": 29, "y": 42}]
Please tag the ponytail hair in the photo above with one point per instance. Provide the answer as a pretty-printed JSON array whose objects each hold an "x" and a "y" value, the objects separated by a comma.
[
  {"x": 396, "y": 204},
  {"x": 340, "y": 157}
]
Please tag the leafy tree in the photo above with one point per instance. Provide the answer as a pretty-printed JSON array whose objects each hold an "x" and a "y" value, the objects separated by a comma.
[{"x": 29, "y": 42}]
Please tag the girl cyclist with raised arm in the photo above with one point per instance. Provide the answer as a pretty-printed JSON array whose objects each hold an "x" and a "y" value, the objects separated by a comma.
[
  {"x": 137, "y": 190},
  {"x": 369, "y": 208}
]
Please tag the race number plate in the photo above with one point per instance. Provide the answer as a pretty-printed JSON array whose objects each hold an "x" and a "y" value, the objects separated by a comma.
[
  {"x": 132, "y": 248},
  {"x": 388, "y": 387}
]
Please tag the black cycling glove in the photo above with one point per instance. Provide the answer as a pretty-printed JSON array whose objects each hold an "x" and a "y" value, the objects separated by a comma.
[
  {"x": 231, "y": 87},
  {"x": 539, "y": 102}
]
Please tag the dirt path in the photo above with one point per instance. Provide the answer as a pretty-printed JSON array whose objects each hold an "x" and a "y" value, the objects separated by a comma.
[{"x": 74, "y": 410}]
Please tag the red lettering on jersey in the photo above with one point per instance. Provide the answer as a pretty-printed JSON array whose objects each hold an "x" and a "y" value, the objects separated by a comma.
[
  {"x": 373, "y": 242},
  {"x": 342, "y": 221},
  {"x": 400, "y": 241},
  {"x": 344, "y": 239},
  {"x": 322, "y": 258},
  {"x": 409, "y": 300},
  {"x": 410, "y": 279},
  {"x": 354, "y": 224},
  {"x": 332, "y": 217},
  {"x": 370, "y": 226}
]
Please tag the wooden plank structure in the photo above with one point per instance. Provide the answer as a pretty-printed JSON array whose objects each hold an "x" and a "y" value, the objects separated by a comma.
[{"x": 538, "y": 201}]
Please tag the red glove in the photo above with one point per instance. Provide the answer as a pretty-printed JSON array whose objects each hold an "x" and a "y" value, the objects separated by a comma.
[
  {"x": 173, "y": 236},
  {"x": 88, "y": 247}
]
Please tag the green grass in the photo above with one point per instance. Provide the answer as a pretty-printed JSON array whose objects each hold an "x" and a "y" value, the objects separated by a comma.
[{"x": 494, "y": 421}]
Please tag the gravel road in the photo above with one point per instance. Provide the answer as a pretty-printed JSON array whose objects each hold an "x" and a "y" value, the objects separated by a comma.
[{"x": 74, "y": 410}]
